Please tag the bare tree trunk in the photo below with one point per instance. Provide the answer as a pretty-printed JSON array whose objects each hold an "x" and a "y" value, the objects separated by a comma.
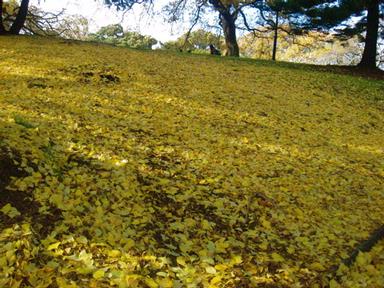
[
  {"x": 18, "y": 24},
  {"x": 275, "y": 36},
  {"x": 370, "y": 49},
  {"x": 2, "y": 29},
  {"x": 227, "y": 23},
  {"x": 229, "y": 29}
]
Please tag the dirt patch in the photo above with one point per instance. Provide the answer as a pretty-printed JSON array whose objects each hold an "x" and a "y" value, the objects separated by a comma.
[
  {"x": 91, "y": 74},
  {"x": 41, "y": 223},
  {"x": 109, "y": 78},
  {"x": 38, "y": 83},
  {"x": 352, "y": 70}
]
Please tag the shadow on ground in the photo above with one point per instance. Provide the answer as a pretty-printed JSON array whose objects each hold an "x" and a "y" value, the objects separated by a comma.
[{"x": 43, "y": 223}]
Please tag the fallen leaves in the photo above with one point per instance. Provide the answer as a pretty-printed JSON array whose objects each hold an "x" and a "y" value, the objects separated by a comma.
[
  {"x": 10, "y": 211},
  {"x": 185, "y": 177}
]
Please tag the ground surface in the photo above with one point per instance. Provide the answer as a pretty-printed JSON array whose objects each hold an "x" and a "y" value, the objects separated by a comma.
[{"x": 151, "y": 169}]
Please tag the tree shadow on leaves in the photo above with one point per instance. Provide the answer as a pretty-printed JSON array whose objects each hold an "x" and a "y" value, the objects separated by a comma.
[{"x": 28, "y": 208}]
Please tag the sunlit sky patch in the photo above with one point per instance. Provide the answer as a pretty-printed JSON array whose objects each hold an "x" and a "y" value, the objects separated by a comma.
[{"x": 100, "y": 15}]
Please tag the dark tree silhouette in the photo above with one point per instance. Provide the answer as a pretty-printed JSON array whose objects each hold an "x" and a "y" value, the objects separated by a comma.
[
  {"x": 19, "y": 21},
  {"x": 337, "y": 15}
]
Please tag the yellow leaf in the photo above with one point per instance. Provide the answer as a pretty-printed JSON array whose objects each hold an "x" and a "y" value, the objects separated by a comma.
[
  {"x": 363, "y": 259},
  {"x": 181, "y": 261},
  {"x": 277, "y": 257},
  {"x": 317, "y": 266},
  {"x": 98, "y": 274},
  {"x": 372, "y": 270},
  {"x": 333, "y": 284},
  {"x": 114, "y": 253},
  {"x": 291, "y": 249},
  {"x": 205, "y": 225},
  {"x": 221, "y": 246},
  {"x": 236, "y": 260},
  {"x": 10, "y": 211},
  {"x": 11, "y": 257},
  {"x": 129, "y": 243},
  {"x": 266, "y": 224},
  {"x": 210, "y": 270},
  {"x": 62, "y": 283},
  {"x": 221, "y": 267},
  {"x": 53, "y": 246},
  {"x": 151, "y": 283},
  {"x": 165, "y": 282},
  {"x": 131, "y": 280},
  {"x": 215, "y": 280},
  {"x": 186, "y": 247},
  {"x": 3, "y": 262},
  {"x": 263, "y": 245}
]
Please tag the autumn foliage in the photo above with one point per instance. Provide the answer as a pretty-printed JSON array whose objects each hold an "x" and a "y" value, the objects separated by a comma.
[{"x": 128, "y": 168}]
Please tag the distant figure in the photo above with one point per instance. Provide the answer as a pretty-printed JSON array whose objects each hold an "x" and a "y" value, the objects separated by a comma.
[{"x": 213, "y": 50}]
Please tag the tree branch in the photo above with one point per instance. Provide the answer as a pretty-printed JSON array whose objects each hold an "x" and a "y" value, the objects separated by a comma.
[{"x": 195, "y": 21}]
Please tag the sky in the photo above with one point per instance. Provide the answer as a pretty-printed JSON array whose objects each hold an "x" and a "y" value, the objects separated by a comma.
[{"x": 99, "y": 15}]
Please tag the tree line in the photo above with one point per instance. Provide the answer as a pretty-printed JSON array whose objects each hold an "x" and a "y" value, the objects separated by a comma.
[{"x": 343, "y": 19}]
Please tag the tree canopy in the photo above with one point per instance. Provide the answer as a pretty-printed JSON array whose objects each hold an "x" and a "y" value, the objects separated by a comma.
[
  {"x": 115, "y": 34},
  {"x": 39, "y": 22},
  {"x": 228, "y": 12},
  {"x": 125, "y": 4},
  {"x": 198, "y": 40},
  {"x": 344, "y": 18},
  {"x": 18, "y": 21}
]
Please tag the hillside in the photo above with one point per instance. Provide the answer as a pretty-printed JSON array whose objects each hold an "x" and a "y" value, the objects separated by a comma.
[{"x": 128, "y": 168}]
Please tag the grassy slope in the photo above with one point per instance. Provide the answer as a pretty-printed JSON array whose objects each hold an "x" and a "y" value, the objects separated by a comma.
[{"x": 181, "y": 170}]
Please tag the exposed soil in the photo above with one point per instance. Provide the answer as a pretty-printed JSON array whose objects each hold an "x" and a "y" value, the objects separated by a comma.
[
  {"x": 352, "y": 70},
  {"x": 42, "y": 224}
]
